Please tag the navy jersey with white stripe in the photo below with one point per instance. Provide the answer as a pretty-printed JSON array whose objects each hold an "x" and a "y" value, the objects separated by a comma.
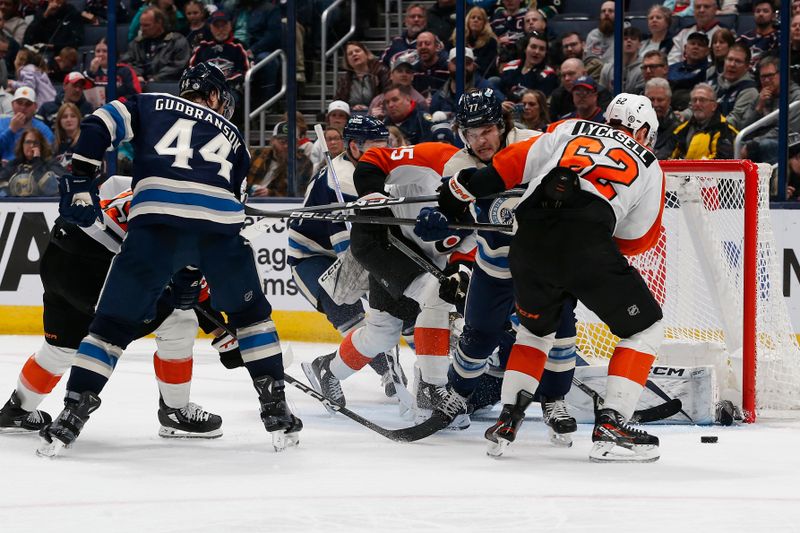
[
  {"x": 190, "y": 163},
  {"x": 308, "y": 238}
]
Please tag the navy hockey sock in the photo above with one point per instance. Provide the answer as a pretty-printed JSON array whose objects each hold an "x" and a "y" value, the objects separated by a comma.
[{"x": 82, "y": 380}]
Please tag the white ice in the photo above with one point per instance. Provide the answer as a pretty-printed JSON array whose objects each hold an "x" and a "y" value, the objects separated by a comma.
[{"x": 120, "y": 476}]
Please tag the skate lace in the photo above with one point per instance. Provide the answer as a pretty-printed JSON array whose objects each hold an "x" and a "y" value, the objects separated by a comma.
[
  {"x": 35, "y": 417},
  {"x": 452, "y": 403},
  {"x": 194, "y": 412},
  {"x": 556, "y": 410}
]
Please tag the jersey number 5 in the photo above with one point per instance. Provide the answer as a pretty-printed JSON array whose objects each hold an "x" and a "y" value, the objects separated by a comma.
[
  {"x": 177, "y": 143},
  {"x": 582, "y": 154}
]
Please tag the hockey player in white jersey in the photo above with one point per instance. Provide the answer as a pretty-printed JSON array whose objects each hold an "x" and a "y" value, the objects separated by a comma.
[
  {"x": 314, "y": 246},
  {"x": 485, "y": 130},
  {"x": 595, "y": 192}
]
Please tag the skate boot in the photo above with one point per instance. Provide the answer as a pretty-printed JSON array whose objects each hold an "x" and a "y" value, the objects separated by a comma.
[
  {"x": 63, "y": 431},
  {"x": 504, "y": 431},
  {"x": 278, "y": 419},
  {"x": 15, "y": 419},
  {"x": 188, "y": 422},
  {"x": 617, "y": 441},
  {"x": 440, "y": 398},
  {"x": 387, "y": 365},
  {"x": 558, "y": 419},
  {"x": 322, "y": 379}
]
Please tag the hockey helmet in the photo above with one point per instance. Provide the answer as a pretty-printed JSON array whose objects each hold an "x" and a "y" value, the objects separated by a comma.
[
  {"x": 362, "y": 128},
  {"x": 478, "y": 108},
  {"x": 634, "y": 112},
  {"x": 204, "y": 79}
]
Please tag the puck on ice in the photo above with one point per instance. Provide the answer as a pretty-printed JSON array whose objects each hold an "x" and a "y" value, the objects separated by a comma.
[{"x": 709, "y": 439}]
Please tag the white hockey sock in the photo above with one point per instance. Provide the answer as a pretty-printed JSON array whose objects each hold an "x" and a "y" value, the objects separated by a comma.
[
  {"x": 41, "y": 373},
  {"x": 622, "y": 394}
]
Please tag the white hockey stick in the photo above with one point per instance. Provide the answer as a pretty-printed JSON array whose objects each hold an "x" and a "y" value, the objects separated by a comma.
[{"x": 338, "y": 188}]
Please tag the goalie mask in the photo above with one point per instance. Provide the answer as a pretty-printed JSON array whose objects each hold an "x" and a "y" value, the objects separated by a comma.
[
  {"x": 204, "y": 79},
  {"x": 634, "y": 112}
]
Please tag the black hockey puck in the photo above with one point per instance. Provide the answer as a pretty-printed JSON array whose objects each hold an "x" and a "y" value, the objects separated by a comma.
[{"x": 709, "y": 439}]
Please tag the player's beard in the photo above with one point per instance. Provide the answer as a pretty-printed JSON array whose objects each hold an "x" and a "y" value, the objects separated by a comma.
[{"x": 606, "y": 26}]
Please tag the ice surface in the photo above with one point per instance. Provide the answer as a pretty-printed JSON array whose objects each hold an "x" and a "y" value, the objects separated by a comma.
[{"x": 120, "y": 476}]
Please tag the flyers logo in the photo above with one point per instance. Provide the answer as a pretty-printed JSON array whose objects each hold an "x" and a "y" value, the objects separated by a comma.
[{"x": 584, "y": 153}]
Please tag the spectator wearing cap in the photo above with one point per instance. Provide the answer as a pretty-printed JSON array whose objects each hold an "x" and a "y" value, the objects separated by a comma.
[
  {"x": 30, "y": 68},
  {"x": 441, "y": 18},
  {"x": 584, "y": 97},
  {"x": 706, "y": 135},
  {"x": 762, "y": 144},
  {"x": 658, "y": 91},
  {"x": 481, "y": 38},
  {"x": 431, "y": 71},
  {"x": 157, "y": 54},
  {"x": 415, "y": 20},
  {"x": 530, "y": 72},
  {"x": 632, "y": 80},
  {"x": 705, "y": 16},
  {"x": 72, "y": 92},
  {"x": 268, "y": 174},
  {"x": 337, "y": 116},
  {"x": 736, "y": 88},
  {"x": 600, "y": 41},
  {"x": 226, "y": 52},
  {"x": 574, "y": 47},
  {"x": 402, "y": 74},
  {"x": 446, "y": 98},
  {"x": 508, "y": 24},
  {"x": 363, "y": 78},
  {"x": 11, "y": 127},
  {"x": 57, "y": 25},
  {"x": 402, "y": 111},
  {"x": 685, "y": 74}
]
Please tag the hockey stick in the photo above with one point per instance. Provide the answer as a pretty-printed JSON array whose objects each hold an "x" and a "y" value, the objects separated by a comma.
[
  {"x": 361, "y": 219},
  {"x": 377, "y": 203},
  {"x": 426, "y": 265},
  {"x": 321, "y": 136},
  {"x": 409, "y": 434},
  {"x": 651, "y": 414}
]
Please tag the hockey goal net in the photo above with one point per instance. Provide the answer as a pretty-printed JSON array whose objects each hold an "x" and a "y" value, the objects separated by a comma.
[{"x": 716, "y": 273}]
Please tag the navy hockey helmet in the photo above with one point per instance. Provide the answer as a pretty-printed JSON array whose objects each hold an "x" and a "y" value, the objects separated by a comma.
[
  {"x": 204, "y": 79},
  {"x": 478, "y": 108},
  {"x": 361, "y": 128}
]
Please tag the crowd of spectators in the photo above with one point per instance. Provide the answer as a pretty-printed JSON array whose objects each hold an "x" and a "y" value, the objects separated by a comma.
[{"x": 707, "y": 75}]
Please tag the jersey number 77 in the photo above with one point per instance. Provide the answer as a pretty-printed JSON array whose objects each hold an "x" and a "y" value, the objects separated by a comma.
[{"x": 583, "y": 153}]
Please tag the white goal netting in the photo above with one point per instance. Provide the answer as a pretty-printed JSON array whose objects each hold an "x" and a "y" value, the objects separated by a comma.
[{"x": 697, "y": 273}]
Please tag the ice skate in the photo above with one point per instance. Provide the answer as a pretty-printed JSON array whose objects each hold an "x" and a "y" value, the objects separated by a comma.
[
  {"x": 278, "y": 419},
  {"x": 444, "y": 400},
  {"x": 387, "y": 364},
  {"x": 188, "y": 422},
  {"x": 615, "y": 441},
  {"x": 322, "y": 379},
  {"x": 16, "y": 420},
  {"x": 559, "y": 421},
  {"x": 63, "y": 431},
  {"x": 504, "y": 431}
]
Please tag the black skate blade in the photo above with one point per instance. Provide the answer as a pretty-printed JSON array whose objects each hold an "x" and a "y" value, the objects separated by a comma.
[{"x": 312, "y": 379}]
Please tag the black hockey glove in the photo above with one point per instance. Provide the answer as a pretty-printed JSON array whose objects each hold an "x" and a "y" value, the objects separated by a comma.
[
  {"x": 453, "y": 290},
  {"x": 455, "y": 198},
  {"x": 185, "y": 286},
  {"x": 228, "y": 347},
  {"x": 79, "y": 203}
]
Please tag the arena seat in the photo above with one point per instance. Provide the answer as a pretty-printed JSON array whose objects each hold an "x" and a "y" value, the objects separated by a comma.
[{"x": 561, "y": 25}]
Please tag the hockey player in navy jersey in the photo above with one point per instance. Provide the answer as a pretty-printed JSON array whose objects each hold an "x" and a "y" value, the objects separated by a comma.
[
  {"x": 188, "y": 184},
  {"x": 315, "y": 245},
  {"x": 484, "y": 131},
  {"x": 73, "y": 268}
]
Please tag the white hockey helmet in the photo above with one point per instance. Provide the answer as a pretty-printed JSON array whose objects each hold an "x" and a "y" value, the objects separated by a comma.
[{"x": 634, "y": 112}]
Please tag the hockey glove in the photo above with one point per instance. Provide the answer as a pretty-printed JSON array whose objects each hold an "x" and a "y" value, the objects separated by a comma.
[
  {"x": 79, "y": 203},
  {"x": 432, "y": 225},
  {"x": 453, "y": 290},
  {"x": 186, "y": 285},
  {"x": 228, "y": 347},
  {"x": 455, "y": 198}
]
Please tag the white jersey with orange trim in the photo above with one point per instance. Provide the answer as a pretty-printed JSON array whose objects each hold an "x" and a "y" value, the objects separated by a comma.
[
  {"x": 611, "y": 165},
  {"x": 115, "y": 201},
  {"x": 417, "y": 171}
]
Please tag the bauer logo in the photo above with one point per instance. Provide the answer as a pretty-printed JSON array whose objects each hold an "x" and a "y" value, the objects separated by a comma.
[{"x": 501, "y": 211}]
